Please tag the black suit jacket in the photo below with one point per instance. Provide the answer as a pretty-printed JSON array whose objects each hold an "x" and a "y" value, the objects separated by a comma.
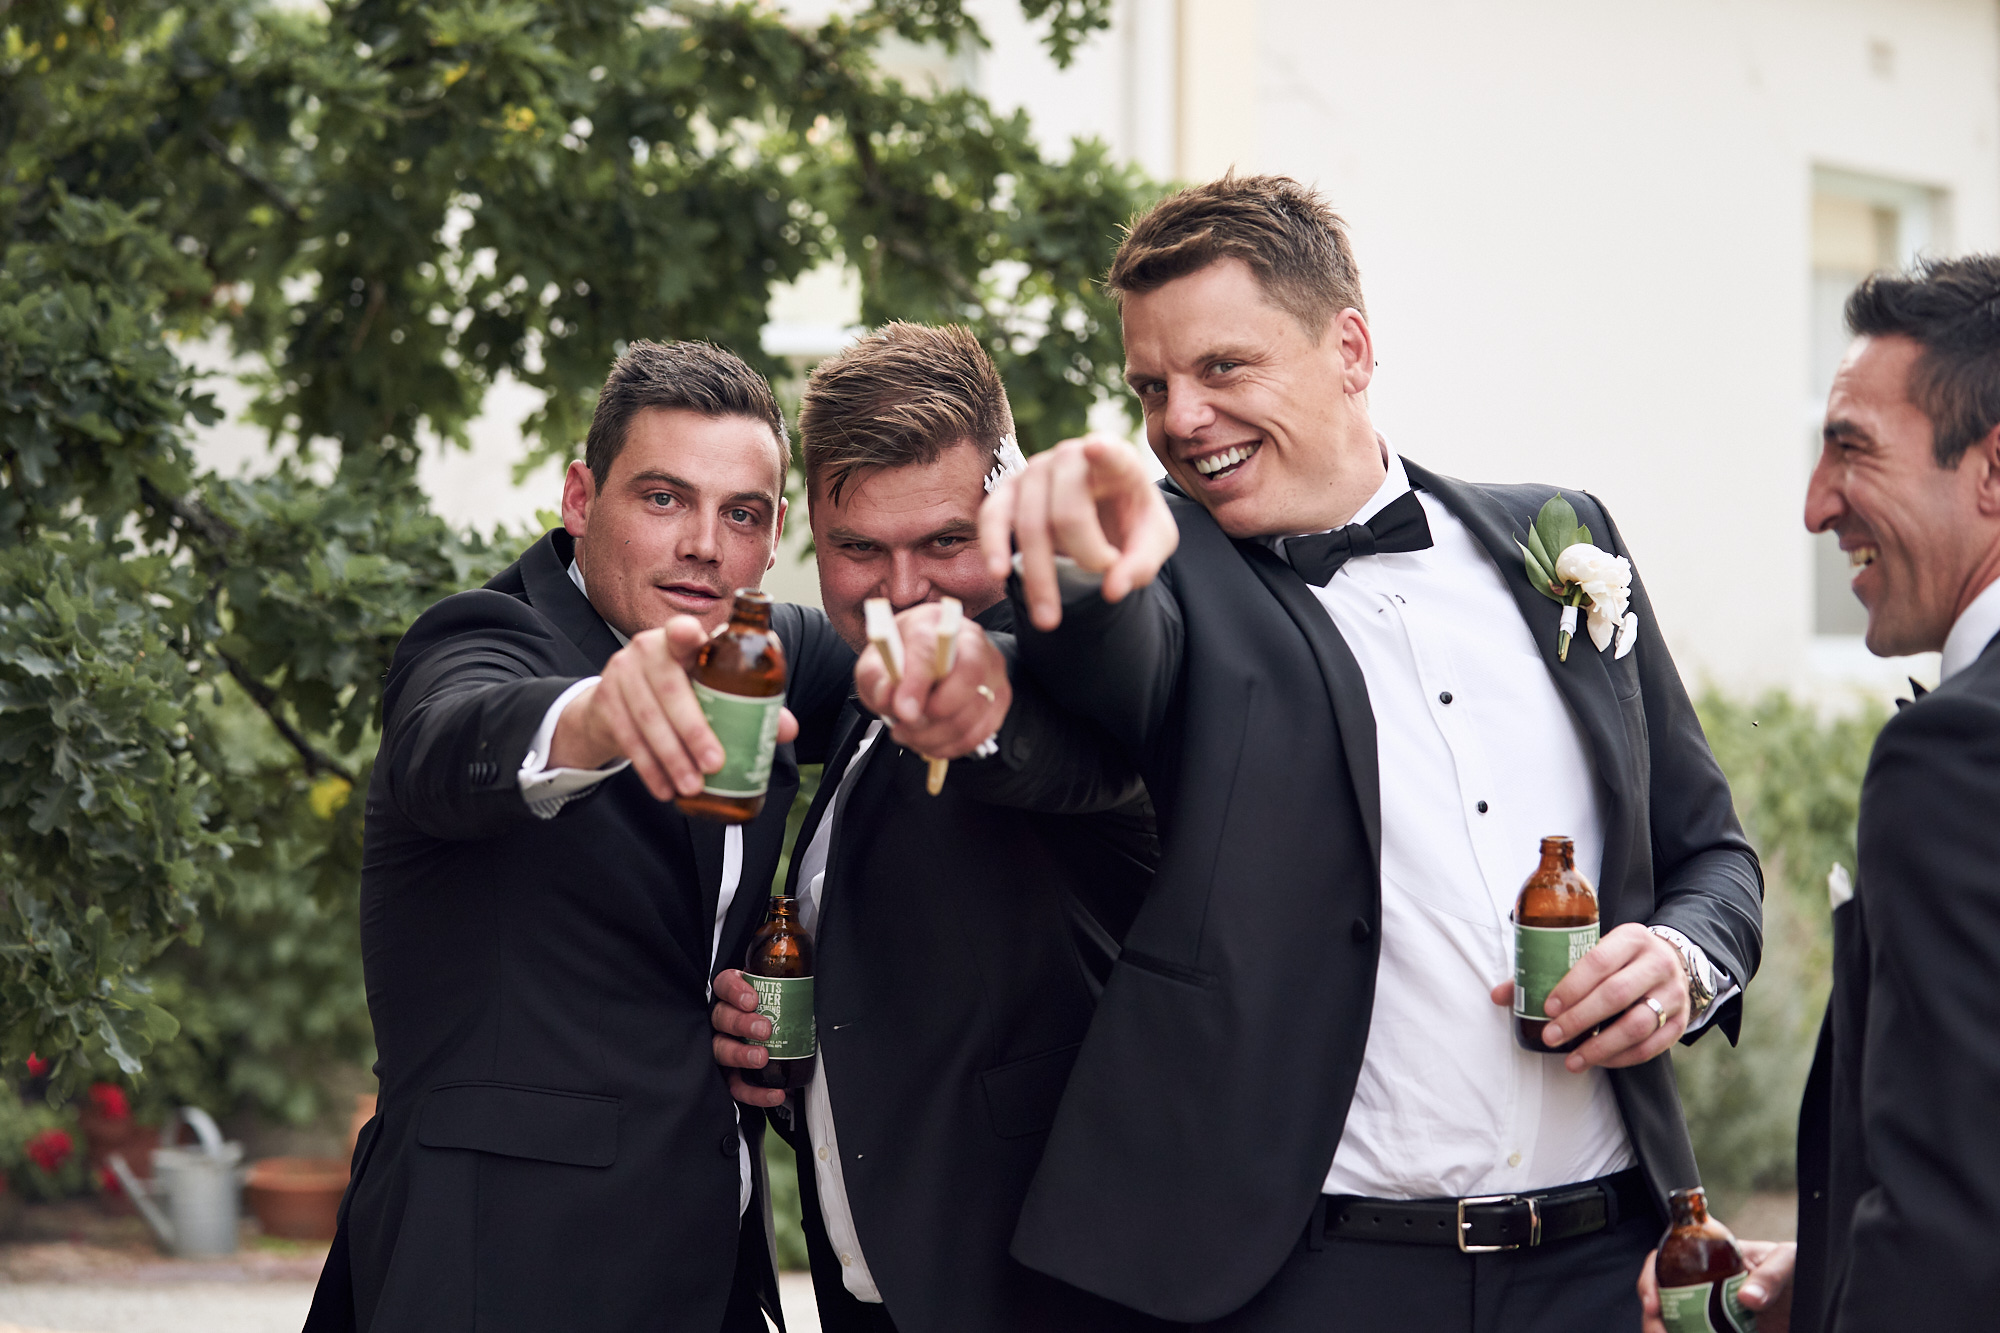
[
  {"x": 1210, "y": 1094},
  {"x": 961, "y": 944},
  {"x": 1899, "y": 1172},
  {"x": 555, "y": 1147}
]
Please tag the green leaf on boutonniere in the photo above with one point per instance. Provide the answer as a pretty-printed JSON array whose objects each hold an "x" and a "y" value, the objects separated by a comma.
[
  {"x": 1539, "y": 575},
  {"x": 1556, "y": 526}
]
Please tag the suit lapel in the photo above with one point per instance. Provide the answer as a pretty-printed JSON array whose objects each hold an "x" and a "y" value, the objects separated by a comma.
[
  {"x": 852, "y": 727},
  {"x": 551, "y": 591},
  {"x": 1584, "y": 680},
  {"x": 1346, "y": 688}
]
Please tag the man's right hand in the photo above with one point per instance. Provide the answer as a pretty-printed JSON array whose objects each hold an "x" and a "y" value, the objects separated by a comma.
[
  {"x": 643, "y": 709},
  {"x": 1088, "y": 499},
  {"x": 1768, "y": 1290},
  {"x": 738, "y": 1027}
]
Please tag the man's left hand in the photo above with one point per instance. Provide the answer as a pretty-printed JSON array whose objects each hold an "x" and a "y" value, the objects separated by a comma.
[
  {"x": 940, "y": 717},
  {"x": 1607, "y": 989}
]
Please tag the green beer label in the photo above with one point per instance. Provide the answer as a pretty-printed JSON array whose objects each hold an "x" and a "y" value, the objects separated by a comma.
[
  {"x": 1706, "y": 1307},
  {"x": 788, "y": 1003},
  {"x": 748, "y": 730},
  {"x": 1543, "y": 956}
]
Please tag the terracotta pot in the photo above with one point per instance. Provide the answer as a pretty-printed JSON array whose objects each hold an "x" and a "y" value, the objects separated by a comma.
[
  {"x": 297, "y": 1197},
  {"x": 101, "y": 1138}
]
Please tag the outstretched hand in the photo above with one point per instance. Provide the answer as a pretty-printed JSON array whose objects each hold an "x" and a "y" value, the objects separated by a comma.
[
  {"x": 944, "y": 716},
  {"x": 1088, "y": 499},
  {"x": 643, "y": 708}
]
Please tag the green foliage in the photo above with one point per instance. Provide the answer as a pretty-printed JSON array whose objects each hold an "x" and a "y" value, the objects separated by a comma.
[
  {"x": 1797, "y": 783},
  {"x": 381, "y": 206}
]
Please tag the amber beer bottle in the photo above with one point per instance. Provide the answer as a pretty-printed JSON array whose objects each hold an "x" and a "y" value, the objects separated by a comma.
[
  {"x": 1699, "y": 1271},
  {"x": 779, "y": 965},
  {"x": 1555, "y": 925},
  {"x": 740, "y": 681}
]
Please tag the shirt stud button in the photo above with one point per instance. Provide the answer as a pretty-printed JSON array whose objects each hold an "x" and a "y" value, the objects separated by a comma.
[
  {"x": 822, "y": 1154},
  {"x": 1513, "y": 1159},
  {"x": 1444, "y": 697},
  {"x": 847, "y": 1261},
  {"x": 1482, "y": 807}
]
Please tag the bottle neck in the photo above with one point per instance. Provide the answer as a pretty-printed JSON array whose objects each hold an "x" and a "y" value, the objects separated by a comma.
[
  {"x": 1689, "y": 1210},
  {"x": 1558, "y": 854},
  {"x": 750, "y": 613}
]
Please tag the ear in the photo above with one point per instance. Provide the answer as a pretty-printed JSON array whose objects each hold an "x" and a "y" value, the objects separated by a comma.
[
  {"x": 579, "y": 490},
  {"x": 778, "y": 536},
  {"x": 1357, "y": 350},
  {"x": 1984, "y": 460}
]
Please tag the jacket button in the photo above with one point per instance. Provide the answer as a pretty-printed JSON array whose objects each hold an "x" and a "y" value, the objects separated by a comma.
[
  {"x": 729, "y": 1144},
  {"x": 1362, "y": 930}
]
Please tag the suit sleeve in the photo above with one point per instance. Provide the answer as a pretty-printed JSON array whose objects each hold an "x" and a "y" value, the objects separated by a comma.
[
  {"x": 469, "y": 685},
  {"x": 819, "y": 677},
  {"x": 1708, "y": 883},
  {"x": 1922, "y": 1240},
  {"x": 1116, "y": 663},
  {"x": 1050, "y": 761}
]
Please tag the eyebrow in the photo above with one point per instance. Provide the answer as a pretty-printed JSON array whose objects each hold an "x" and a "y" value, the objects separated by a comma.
[
  {"x": 1844, "y": 427},
  {"x": 955, "y": 529},
  {"x": 657, "y": 478}
]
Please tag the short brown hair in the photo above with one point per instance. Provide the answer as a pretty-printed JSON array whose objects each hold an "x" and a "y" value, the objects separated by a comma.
[
  {"x": 1950, "y": 308},
  {"x": 698, "y": 376},
  {"x": 1294, "y": 243},
  {"x": 902, "y": 395}
]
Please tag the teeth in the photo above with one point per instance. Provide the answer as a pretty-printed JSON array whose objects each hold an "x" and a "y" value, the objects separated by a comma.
[
  {"x": 1214, "y": 463},
  {"x": 1862, "y": 556}
]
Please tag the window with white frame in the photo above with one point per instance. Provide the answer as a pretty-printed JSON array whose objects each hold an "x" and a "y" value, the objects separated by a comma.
[{"x": 1860, "y": 224}]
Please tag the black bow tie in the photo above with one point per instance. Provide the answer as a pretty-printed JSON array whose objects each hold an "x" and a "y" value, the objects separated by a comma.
[
  {"x": 1916, "y": 692},
  {"x": 1400, "y": 526}
]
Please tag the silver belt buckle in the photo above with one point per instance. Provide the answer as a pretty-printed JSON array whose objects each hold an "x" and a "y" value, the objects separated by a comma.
[{"x": 1534, "y": 1222}]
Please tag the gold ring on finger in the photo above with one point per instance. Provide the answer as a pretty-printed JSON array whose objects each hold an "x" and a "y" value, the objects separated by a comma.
[{"x": 1659, "y": 1011}]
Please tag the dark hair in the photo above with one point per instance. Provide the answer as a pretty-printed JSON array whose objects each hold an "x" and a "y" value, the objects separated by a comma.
[
  {"x": 902, "y": 395},
  {"x": 698, "y": 376},
  {"x": 1950, "y": 308},
  {"x": 1290, "y": 238}
]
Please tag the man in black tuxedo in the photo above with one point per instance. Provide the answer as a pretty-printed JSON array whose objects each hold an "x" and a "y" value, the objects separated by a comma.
[
  {"x": 961, "y": 938},
  {"x": 554, "y": 1148},
  {"x": 1899, "y": 1178},
  {"x": 1300, "y": 1105}
]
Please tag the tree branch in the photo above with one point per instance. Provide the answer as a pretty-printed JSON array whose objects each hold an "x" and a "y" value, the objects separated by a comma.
[
  {"x": 317, "y": 761},
  {"x": 257, "y": 182}
]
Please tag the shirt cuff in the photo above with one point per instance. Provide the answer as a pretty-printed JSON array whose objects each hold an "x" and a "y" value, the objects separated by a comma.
[
  {"x": 1718, "y": 981},
  {"x": 547, "y": 790}
]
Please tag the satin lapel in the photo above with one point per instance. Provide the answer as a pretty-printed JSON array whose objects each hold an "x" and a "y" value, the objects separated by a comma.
[
  {"x": 1346, "y": 687},
  {"x": 545, "y": 572},
  {"x": 853, "y": 725},
  {"x": 1584, "y": 680}
]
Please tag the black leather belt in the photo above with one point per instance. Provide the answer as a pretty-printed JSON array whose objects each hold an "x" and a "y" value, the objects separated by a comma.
[{"x": 1492, "y": 1222}]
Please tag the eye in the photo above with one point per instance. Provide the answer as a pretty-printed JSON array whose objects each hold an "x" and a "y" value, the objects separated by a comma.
[
  {"x": 1149, "y": 388},
  {"x": 1223, "y": 367},
  {"x": 742, "y": 515},
  {"x": 950, "y": 543},
  {"x": 661, "y": 499}
]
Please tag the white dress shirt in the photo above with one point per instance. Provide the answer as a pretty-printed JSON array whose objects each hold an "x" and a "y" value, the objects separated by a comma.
[
  {"x": 547, "y": 790},
  {"x": 833, "y": 1205},
  {"x": 1971, "y": 632},
  {"x": 1480, "y": 757}
]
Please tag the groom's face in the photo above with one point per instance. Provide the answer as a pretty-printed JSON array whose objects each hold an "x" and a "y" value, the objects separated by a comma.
[
  {"x": 1252, "y": 415},
  {"x": 1910, "y": 528}
]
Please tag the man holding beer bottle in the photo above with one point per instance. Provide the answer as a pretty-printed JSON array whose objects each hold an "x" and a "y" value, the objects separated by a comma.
[
  {"x": 1360, "y": 699},
  {"x": 960, "y": 938},
  {"x": 553, "y": 1147}
]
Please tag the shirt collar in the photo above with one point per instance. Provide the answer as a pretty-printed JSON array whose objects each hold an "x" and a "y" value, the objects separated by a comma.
[
  {"x": 1394, "y": 483},
  {"x": 576, "y": 577},
  {"x": 1971, "y": 632}
]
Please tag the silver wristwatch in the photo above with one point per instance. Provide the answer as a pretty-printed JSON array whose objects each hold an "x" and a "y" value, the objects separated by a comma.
[{"x": 1700, "y": 973}]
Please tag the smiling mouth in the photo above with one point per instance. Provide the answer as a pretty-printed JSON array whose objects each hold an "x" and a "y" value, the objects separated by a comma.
[
  {"x": 1214, "y": 467},
  {"x": 1860, "y": 557}
]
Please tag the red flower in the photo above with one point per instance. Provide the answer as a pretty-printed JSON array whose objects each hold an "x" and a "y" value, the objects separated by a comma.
[
  {"x": 36, "y": 1065},
  {"x": 108, "y": 1100},
  {"x": 51, "y": 1148},
  {"x": 107, "y": 1180}
]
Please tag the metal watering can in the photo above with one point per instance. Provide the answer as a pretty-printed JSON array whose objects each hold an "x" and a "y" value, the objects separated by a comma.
[{"x": 199, "y": 1185}]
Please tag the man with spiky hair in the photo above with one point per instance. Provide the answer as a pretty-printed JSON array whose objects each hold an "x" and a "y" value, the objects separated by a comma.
[
  {"x": 1302, "y": 1104},
  {"x": 961, "y": 937}
]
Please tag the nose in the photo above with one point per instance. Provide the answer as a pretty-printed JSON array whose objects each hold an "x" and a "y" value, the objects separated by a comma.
[
  {"x": 1825, "y": 505},
  {"x": 701, "y": 539},
  {"x": 906, "y": 585},
  {"x": 1187, "y": 412}
]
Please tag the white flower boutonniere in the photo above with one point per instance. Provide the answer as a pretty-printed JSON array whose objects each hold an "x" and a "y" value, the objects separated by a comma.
[{"x": 1565, "y": 567}]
